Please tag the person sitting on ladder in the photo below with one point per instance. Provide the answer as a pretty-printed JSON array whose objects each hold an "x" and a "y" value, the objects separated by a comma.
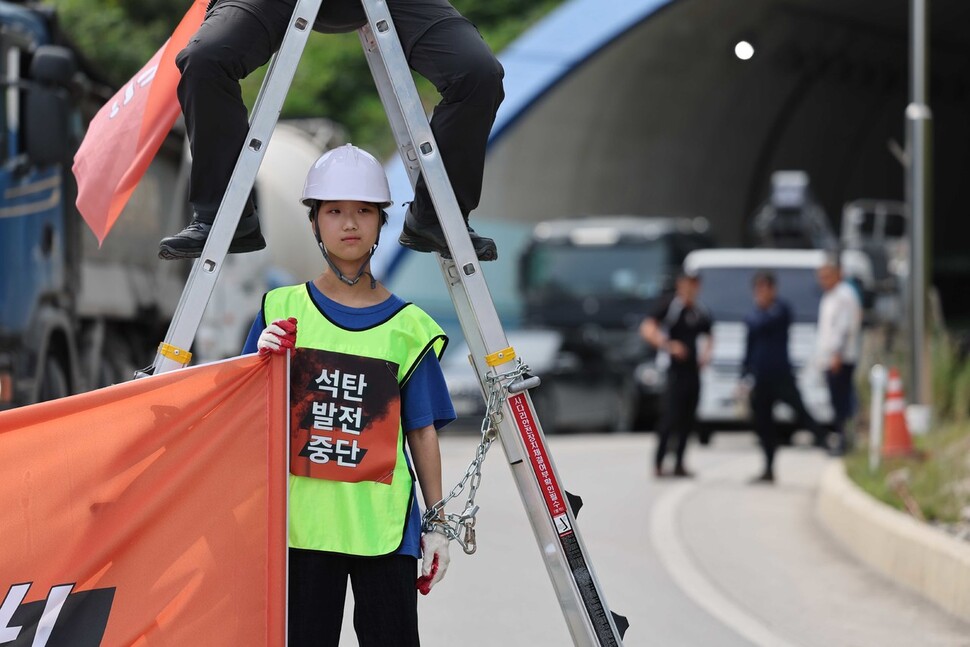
[
  {"x": 341, "y": 526},
  {"x": 238, "y": 36}
]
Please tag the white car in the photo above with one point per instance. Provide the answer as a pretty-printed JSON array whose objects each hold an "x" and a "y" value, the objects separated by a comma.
[{"x": 726, "y": 290}]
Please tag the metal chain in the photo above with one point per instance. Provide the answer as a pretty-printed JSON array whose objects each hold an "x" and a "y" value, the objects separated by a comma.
[{"x": 461, "y": 527}]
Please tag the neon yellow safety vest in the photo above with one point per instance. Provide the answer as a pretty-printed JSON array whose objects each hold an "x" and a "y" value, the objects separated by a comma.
[{"x": 365, "y": 518}]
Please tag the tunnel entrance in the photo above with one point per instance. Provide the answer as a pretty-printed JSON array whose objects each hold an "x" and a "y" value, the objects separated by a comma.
[{"x": 666, "y": 120}]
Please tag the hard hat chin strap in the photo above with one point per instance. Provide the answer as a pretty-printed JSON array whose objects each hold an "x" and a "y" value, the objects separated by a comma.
[
  {"x": 336, "y": 270},
  {"x": 360, "y": 272}
]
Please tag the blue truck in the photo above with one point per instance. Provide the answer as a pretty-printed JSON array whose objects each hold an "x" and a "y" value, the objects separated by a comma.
[{"x": 73, "y": 316}]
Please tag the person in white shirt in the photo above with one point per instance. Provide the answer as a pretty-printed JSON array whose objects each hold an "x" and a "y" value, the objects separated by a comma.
[{"x": 839, "y": 334}]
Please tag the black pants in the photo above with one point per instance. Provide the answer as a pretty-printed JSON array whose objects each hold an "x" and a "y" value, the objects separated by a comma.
[
  {"x": 439, "y": 44},
  {"x": 842, "y": 396},
  {"x": 768, "y": 391},
  {"x": 385, "y": 599},
  {"x": 680, "y": 410}
]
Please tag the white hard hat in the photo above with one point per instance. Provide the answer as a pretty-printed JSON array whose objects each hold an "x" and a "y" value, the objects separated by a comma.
[{"x": 347, "y": 173}]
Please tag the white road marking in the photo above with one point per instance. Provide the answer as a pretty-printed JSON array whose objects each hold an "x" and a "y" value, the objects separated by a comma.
[{"x": 676, "y": 559}]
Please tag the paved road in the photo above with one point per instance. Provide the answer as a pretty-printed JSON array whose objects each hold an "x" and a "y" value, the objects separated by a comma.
[{"x": 710, "y": 561}]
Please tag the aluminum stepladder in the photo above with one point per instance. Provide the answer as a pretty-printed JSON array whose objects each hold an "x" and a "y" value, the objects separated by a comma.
[
  {"x": 502, "y": 375},
  {"x": 584, "y": 607}
]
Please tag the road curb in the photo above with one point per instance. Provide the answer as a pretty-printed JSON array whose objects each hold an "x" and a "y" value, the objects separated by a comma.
[{"x": 906, "y": 551}]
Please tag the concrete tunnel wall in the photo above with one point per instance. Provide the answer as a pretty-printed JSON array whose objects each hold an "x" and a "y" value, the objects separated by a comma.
[{"x": 663, "y": 119}]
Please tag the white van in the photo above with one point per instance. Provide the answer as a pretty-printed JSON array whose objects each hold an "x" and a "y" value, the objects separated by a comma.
[{"x": 726, "y": 290}]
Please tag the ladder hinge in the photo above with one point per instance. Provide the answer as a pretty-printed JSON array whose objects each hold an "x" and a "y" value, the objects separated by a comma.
[
  {"x": 500, "y": 357},
  {"x": 174, "y": 353}
]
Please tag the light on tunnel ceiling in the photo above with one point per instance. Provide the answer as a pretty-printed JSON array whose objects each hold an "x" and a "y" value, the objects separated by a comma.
[{"x": 744, "y": 50}]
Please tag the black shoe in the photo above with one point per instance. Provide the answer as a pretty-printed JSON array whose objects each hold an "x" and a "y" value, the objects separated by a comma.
[
  {"x": 767, "y": 477},
  {"x": 682, "y": 472},
  {"x": 189, "y": 242},
  {"x": 430, "y": 238}
]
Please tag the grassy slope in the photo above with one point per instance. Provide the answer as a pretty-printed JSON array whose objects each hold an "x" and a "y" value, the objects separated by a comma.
[{"x": 939, "y": 477}]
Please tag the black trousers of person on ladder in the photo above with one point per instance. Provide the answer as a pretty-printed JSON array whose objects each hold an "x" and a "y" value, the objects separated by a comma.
[{"x": 239, "y": 36}]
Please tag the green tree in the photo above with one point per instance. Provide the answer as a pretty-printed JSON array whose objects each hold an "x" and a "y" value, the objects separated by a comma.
[{"x": 119, "y": 37}]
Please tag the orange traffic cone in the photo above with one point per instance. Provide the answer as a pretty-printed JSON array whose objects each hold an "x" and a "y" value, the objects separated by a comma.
[{"x": 896, "y": 438}]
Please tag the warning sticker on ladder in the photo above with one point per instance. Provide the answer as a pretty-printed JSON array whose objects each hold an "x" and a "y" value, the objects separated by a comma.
[
  {"x": 555, "y": 501},
  {"x": 556, "y": 504}
]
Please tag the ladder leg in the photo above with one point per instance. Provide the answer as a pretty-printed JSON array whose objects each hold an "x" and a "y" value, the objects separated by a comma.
[
  {"x": 584, "y": 607},
  {"x": 173, "y": 352}
]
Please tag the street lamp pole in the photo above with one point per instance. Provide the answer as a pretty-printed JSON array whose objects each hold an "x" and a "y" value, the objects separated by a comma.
[{"x": 919, "y": 144}]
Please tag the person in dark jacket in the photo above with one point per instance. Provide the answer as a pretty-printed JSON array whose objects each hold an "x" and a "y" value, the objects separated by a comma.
[
  {"x": 768, "y": 371},
  {"x": 673, "y": 329},
  {"x": 238, "y": 36}
]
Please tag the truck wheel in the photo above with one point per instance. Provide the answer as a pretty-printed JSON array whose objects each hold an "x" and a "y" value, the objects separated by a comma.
[
  {"x": 115, "y": 368},
  {"x": 543, "y": 402},
  {"x": 54, "y": 384},
  {"x": 786, "y": 435},
  {"x": 647, "y": 414}
]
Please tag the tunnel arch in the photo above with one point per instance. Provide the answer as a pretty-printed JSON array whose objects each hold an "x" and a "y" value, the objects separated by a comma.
[{"x": 641, "y": 107}]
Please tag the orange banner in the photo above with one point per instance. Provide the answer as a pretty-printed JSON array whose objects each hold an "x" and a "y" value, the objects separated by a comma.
[{"x": 148, "y": 513}]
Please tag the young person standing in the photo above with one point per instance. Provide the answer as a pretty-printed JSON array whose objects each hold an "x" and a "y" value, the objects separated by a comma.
[{"x": 342, "y": 527}]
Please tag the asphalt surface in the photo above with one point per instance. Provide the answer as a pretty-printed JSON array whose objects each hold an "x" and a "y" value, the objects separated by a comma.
[{"x": 706, "y": 561}]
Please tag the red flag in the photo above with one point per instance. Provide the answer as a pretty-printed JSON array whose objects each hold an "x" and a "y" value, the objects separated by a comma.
[
  {"x": 148, "y": 513},
  {"x": 126, "y": 133}
]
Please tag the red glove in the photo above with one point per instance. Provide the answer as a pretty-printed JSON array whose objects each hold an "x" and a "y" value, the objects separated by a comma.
[
  {"x": 278, "y": 337},
  {"x": 424, "y": 581},
  {"x": 434, "y": 560}
]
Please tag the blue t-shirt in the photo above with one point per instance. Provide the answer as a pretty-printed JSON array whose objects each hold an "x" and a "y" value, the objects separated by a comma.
[{"x": 424, "y": 397}]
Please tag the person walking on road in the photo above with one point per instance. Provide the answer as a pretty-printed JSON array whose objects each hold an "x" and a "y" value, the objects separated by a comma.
[
  {"x": 353, "y": 512},
  {"x": 673, "y": 329},
  {"x": 767, "y": 370},
  {"x": 238, "y": 36},
  {"x": 839, "y": 333}
]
